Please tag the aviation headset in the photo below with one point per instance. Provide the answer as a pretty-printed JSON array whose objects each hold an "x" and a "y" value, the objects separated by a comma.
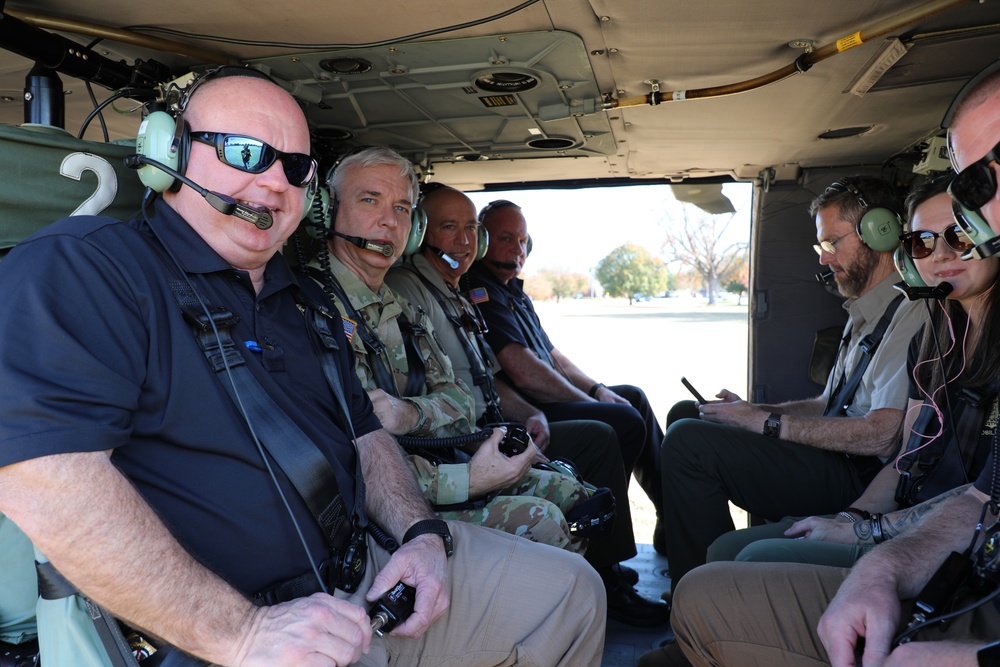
[
  {"x": 971, "y": 220},
  {"x": 495, "y": 206},
  {"x": 482, "y": 236},
  {"x": 165, "y": 136},
  {"x": 418, "y": 219},
  {"x": 878, "y": 227}
]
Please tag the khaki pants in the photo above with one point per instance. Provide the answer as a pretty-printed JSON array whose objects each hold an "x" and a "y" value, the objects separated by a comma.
[
  {"x": 765, "y": 614},
  {"x": 513, "y": 602}
]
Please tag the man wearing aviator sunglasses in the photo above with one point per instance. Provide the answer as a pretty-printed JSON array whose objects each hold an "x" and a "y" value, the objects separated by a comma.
[{"x": 255, "y": 156}]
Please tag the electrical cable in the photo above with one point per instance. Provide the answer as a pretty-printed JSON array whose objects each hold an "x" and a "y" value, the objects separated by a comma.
[
  {"x": 124, "y": 92},
  {"x": 100, "y": 116},
  {"x": 905, "y": 636},
  {"x": 330, "y": 47},
  {"x": 93, "y": 98}
]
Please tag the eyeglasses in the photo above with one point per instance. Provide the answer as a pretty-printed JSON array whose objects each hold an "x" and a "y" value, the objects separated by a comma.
[
  {"x": 255, "y": 156},
  {"x": 975, "y": 185},
  {"x": 921, "y": 244},
  {"x": 829, "y": 246}
]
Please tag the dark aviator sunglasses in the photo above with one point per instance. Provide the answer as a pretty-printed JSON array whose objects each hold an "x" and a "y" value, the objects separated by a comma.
[
  {"x": 255, "y": 156},
  {"x": 921, "y": 244},
  {"x": 975, "y": 186}
]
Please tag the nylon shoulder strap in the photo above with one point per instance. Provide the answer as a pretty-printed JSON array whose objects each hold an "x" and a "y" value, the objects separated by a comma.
[
  {"x": 841, "y": 398},
  {"x": 481, "y": 375},
  {"x": 299, "y": 458},
  {"x": 373, "y": 345}
]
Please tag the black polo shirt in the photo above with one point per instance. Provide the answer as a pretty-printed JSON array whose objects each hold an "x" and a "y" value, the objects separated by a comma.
[
  {"x": 98, "y": 356},
  {"x": 508, "y": 312}
]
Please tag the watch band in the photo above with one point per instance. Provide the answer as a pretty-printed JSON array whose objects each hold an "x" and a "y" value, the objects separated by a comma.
[
  {"x": 435, "y": 527},
  {"x": 989, "y": 655},
  {"x": 772, "y": 425}
]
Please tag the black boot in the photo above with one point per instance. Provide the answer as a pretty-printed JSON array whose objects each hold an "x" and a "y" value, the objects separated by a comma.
[{"x": 626, "y": 606}]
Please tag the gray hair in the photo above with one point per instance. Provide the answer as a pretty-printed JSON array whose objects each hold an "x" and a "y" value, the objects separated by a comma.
[{"x": 373, "y": 156}]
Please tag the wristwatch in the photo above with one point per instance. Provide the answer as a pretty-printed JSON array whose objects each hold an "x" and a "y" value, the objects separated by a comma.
[
  {"x": 434, "y": 527},
  {"x": 772, "y": 425},
  {"x": 989, "y": 655}
]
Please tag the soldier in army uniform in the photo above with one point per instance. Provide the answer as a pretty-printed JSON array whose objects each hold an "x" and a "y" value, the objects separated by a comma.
[
  {"x": 375, "y": 192},
  {"x": 430, "y": 280}
]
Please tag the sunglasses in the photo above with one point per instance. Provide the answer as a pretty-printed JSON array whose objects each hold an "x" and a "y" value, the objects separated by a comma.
[
  {"x": 255, "y": 156},
  {"x": 829, "y": 246},
  {"x": 921, "y": 244},
  {"x": 975, "y": 185}
]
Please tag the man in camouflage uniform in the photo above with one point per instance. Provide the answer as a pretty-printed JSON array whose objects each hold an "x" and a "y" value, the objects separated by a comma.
[
  {"x": 430, "y": 282},
  {"x": 375, "y": 191}
]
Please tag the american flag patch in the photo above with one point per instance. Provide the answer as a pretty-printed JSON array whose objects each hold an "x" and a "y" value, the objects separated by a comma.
[
  {"x": 350, "y": 326},
  {"x": 478, "y": 295}
]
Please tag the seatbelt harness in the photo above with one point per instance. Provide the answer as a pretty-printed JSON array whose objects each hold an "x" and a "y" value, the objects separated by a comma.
[
  {"x": 299, "y": 458},
  {"x": 841, "y": 398},
  {"x": 481, "y": 376}
]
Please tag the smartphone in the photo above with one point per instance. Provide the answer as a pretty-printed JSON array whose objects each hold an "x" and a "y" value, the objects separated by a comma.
[{"x": 690, "y": 387}]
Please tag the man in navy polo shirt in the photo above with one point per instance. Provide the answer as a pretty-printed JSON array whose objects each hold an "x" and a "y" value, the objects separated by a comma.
[
  {"x": 125, "y": 460},
  {"x": 542, "y": 373}
]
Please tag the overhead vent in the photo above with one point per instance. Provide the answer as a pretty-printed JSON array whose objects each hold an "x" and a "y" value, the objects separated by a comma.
[
  {"x": 551, "y": 143},
  {"x": 346, "y": 65},
  {"x": 506, "y": 96}
]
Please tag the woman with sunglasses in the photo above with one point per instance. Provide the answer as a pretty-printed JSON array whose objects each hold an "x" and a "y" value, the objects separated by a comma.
[{"x": 954, "y": 369}]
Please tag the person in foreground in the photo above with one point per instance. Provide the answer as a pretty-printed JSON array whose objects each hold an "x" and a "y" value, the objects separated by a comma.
[
  {"x": 783, "y": 614},
  {"x": 129, "y": 466}
]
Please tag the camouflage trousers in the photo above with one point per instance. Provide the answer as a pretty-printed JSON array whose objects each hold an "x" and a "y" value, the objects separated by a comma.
[{"x": 532, "y": 508}]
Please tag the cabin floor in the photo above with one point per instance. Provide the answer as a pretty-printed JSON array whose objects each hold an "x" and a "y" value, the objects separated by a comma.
[{"x": 624, "y": 643}]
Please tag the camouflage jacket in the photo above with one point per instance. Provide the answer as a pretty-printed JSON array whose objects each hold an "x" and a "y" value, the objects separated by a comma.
[{"x": 445, "y": 404}]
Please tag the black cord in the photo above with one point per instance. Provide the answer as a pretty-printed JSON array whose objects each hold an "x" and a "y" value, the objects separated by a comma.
[
  {"x": 100, "y": 116},
  {"x": 93, "y": 98},
  {"x": 124, "y": 92},
  {"x": 330, "y": 47},
  {"x": 147, "y": 199},
  {"x": 904, "y": 636},
  {"x": 442, "y": 443}
]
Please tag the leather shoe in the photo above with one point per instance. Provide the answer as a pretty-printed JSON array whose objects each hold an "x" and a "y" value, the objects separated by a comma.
[
  {"x": 625, "y": 574},
  {"x": 626, "y": 606},
  {"x": 659, "y": 538}
]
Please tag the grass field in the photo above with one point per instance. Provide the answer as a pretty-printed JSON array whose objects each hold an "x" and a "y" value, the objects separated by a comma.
[{"x": 651, "y": 344}]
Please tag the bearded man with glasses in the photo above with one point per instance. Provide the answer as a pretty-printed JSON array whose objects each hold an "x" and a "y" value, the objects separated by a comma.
[{"x": 815, "y": 455}]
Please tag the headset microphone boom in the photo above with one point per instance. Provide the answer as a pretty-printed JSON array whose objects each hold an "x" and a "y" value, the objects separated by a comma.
[{"x": 222, "y": 203}]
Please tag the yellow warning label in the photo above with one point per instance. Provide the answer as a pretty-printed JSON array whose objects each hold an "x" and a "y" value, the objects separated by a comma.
[
  {"x": 499, "y": 101},
  {"x": 849, "y": 42}
]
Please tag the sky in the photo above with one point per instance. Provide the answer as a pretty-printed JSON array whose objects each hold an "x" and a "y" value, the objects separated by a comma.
[{"x": 573, "y": 230}]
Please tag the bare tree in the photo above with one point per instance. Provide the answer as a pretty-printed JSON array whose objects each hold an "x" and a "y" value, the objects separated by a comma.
[{"x": 697, "y": 243}]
